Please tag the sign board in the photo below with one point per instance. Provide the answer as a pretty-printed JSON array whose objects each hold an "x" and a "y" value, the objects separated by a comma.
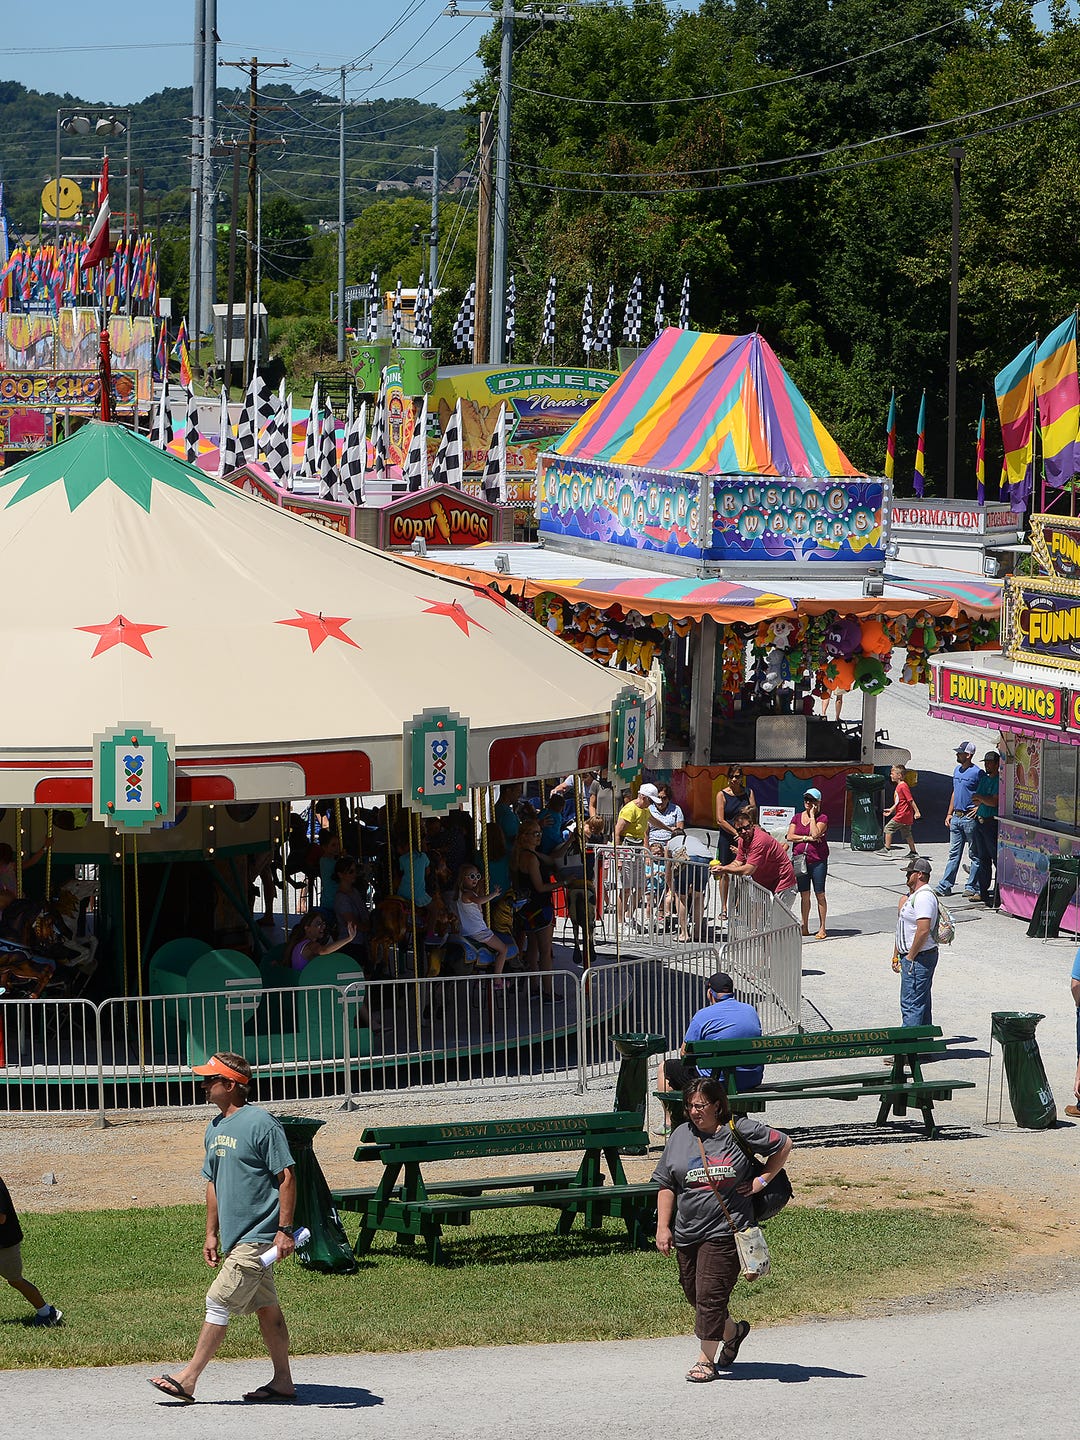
[
  {"x": 930, "y": 518},
  {"x": 627, "y": 735},
  {"x": 76, "y": 390},
  {"x": 1055, "y": 544},
  {"x": 435, "y": 762},
  {"x": 442, "y": 516},
  {"x": 1042, "y": 622},
  {"x": 134, "y": 777},
  {"x": 750, "y": 519},
  {"x": 776, "y": 819},
  {"x": 1029, "y": 703}
]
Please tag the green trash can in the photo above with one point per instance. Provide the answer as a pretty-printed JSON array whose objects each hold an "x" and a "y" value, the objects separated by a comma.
[
  {"x": 632, "y": 1084},
  {"x": 1055, "y": 897},
  {"x": 1030, "y": 1095},
  {"x": 866, "y": 792},
  {"x": 328, "y": 1250},
  {"x": 419, "y": 371},
  {"x": 369, "y": 361}
]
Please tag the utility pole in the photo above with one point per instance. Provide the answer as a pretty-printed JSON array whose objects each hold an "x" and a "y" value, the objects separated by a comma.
[
  {"x": 433, "y": 252},
  {"x": 253, "y": 66},
  {"x": 342, "y": 70},
  {"x": 199, "y": 52},
  {"x": 506, "y": 17},
  {"x": 956, "y": 153},
  {"x": 208, "y": 225},
  {"x": 483, "y": 240}
]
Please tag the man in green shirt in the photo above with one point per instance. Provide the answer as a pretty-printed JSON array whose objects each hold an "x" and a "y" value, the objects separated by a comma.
[{"x": 250, "y": 1194}]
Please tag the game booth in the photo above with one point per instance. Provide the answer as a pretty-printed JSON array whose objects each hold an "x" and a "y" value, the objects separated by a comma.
[
  {"x": 1027, "y": 694},
  {"x": 700, "y": 525}
]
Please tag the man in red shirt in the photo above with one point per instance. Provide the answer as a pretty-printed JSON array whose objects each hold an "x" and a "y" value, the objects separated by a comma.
[{"x": 759, "y": 856}]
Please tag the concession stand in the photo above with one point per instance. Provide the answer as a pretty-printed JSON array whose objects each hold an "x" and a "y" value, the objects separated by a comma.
[
  {"x": 1029, "y": 695},
  {"x": 700, "y": 525}
]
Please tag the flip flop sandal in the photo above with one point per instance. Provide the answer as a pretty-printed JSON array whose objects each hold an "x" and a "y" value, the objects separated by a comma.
[
  {"x": 729, "y": 1353},
  {"x": 267, "y": 1395},
  {"x": 701, "y": 1373},
  {"x": 172, "y": 1389}
]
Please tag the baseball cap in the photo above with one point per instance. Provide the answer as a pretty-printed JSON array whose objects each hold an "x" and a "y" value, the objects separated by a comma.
[
  {"x": 992, "y": 755},
  {"x": 721, "y": 983},
  {"x": 919, "y": 866},
  {"x": 813, "y": 792},
  {"x": 966, "y": 747},
  {"x": 650, "y": 792}
]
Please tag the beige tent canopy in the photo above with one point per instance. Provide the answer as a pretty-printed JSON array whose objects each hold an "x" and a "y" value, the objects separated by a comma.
[{"x": 283, "y": 658}]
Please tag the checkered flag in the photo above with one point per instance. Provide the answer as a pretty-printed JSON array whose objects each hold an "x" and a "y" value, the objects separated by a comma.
[
  {"x": 633, "y": 314},
  {"x": 422, "y": 314},
  {"x": 659, "y": 323},
  {"x": 510, "y": 330},
  {"x": 253, "y": 416},
  {"x": 354, "y": 459},
  {"x": 230, "y": 456},
  {"x": 449, "y": 467},
  {"x": 310, "y": 465},
  {"x": 328, "y": 453},
  {"x": 161, "y": 429},
  {"x": 586, "y": 322},
  {"x": 380, "y": 438},
  {"x": 278, "y": 442},
  {"x": 684, "y": 304},
  {"x": 603, "y": 329},
  {"x": 494, "y": 478},
  {"x": 395, "y": 318},
  {"x": 373, "y": 309},
  {"x": 465, "y": 324},
  {"x": 191, "y": 429},
  {"x": 416, "y": 476},
  {"x": 547, "y": 331}
]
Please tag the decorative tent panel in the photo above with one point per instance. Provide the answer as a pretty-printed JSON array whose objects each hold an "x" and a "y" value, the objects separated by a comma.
[
  {"x": 707, "y": 405},
  {"x": 284, "y": 658}
]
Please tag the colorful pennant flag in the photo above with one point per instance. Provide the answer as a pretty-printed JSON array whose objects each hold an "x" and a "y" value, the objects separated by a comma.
[
  {"x": 890, "y": 438},
  {"x": 1058, "y": 388},
  {"x": 980, "y": 457},
  {"x": 97, "y": 248},
  {"x": 1014, "y": 390},
  {"x": 919, "y": 480}
]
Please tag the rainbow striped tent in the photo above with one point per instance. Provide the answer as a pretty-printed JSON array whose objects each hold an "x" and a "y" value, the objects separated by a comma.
[{"x": 707, "y": 405}]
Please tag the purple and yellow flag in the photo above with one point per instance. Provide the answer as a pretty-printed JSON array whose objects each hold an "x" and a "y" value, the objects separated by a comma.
[
  {"x": 919, "y": 479},
  {"x": 1014, "y": 389},
  {"x": 890, "y": 438},
  {"x": 1058, "y": 388},
  {"x": 980, "y": 457}
]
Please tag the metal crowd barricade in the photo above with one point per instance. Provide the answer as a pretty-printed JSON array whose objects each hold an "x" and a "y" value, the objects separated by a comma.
[{"x": 48, "y": 1057}]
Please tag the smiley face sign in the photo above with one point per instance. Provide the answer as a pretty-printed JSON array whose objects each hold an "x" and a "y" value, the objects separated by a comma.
[{"x": 61, "y": 199}]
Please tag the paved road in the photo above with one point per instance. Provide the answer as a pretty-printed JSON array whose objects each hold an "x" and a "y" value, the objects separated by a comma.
[{"x": 924, "y": 1371}]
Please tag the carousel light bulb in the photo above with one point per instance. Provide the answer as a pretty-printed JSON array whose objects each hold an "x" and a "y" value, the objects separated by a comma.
[
  {"x": 211, "y": 829},
  {"x": 116, "y": 854},
  {"x": 211, "y": 850}
]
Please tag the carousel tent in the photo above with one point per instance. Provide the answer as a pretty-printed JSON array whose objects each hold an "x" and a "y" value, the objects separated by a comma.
[
  {"x": 707, "y": 405},
  {"x": 283, "y": 658}
]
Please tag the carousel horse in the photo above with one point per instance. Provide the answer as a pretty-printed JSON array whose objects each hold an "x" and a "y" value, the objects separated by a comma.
[
  {"x": 389, "y": 926},
  {"x": 37, "y": 938}
]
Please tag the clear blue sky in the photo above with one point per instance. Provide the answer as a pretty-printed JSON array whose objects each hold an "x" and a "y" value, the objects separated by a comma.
[{"x": 414, "y": 49}]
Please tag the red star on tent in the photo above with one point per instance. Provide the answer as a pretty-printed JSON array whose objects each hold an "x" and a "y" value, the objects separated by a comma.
[
  {"x": 120, "y": 631},
  {"x": 322, "y": 627},
  {"x": 454, "y": 609}
]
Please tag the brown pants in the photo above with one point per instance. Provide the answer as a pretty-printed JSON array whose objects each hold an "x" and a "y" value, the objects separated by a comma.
[{"x": 707, "y": 1273}]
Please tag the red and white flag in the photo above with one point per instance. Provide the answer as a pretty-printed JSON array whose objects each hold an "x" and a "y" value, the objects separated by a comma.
[{"x": 99, "y": 234}]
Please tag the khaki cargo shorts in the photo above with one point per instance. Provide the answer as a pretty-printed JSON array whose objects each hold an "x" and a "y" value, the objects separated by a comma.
[
  {"x": 11, "y": 1262},
  {"x": 242, "y": 1285}
]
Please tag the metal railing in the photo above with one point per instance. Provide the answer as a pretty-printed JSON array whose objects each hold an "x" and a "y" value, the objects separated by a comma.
[{"x": 340, "y": 1042}]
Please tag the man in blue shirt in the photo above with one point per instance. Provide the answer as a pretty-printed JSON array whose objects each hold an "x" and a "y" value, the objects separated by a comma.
[
  {"x": 960, "y": 821},
  {"x": 722, "y": 1018}
]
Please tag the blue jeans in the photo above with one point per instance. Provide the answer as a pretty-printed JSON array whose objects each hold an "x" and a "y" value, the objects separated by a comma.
[
  {"x": 961, "y": 833},
  {"x": 984, "y": 848},
  {"x": 916, "y": 980}
]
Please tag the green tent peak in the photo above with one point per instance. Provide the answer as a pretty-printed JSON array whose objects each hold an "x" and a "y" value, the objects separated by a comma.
[{"x": 106, "y": 454}]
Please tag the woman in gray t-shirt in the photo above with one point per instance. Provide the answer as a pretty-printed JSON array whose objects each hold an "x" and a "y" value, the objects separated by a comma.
[{"x": 691, "y": 1221}]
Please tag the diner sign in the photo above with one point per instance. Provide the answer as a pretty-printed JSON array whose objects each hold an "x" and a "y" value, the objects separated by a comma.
[
  {"x": 1027, "y": 702},
  {"x": 1042, "y": 622}
]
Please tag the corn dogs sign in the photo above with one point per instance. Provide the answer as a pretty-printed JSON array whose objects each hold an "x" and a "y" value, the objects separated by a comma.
[{"x": 441, "y": 516}]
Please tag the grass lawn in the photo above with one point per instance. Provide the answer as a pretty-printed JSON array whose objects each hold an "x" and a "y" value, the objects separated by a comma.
[{"x": 131, "y": 1284}]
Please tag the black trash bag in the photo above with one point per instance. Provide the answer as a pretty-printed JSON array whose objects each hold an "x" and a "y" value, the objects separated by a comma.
[
  {"x": 328, "y": 1250},
  {"x": 1053, "y": 899},
  {"x": 1030, "y": 1095}
]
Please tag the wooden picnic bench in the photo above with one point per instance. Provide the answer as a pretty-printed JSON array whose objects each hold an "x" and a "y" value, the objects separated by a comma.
[
  {"x": 410, "y": 1204},
  {"x": 903, "y": 1084}
]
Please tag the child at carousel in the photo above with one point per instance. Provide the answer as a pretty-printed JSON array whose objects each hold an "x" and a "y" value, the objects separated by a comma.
[{"x": 468, "y": 898}]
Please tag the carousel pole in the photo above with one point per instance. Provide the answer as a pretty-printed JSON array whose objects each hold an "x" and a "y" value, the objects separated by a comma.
[
  {"x": 390, "y": 850},
  {"x": 18, "y": 853},
  {"x": 48, "y": 854},
  {"x": 138, "y": 947},
  {"x": 416, "y": 948},
  {"x": 586, "y": 938},
  {"x": 284, "y": 869},
  {"x": 123, "y": 910},
  {"x": 482, "y": 807}
]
